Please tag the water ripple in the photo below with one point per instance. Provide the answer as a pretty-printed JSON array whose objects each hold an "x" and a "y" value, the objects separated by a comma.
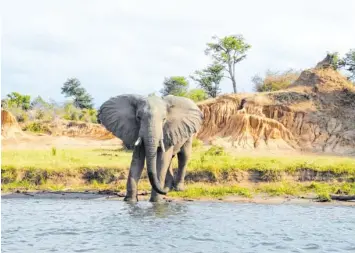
[{"x": 61, "y": 225}]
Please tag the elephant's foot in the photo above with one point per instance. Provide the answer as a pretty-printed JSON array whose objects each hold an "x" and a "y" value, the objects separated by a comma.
[
  {"x": 180, "y": 187},
  {"x": 130, "y": 199},
  {"x": 168, "y": 188},
  {"x": 156, "y": 198}
]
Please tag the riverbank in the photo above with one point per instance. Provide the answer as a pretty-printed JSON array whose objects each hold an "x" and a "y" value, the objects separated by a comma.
[
  {"x": 213, "y": 173},
  {"x": 144, "y": 196}
]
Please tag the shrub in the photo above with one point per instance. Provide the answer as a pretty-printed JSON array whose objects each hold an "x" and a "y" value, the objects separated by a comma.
[
  {"x": 274, "y": 80},
  {"x": 215, "y": 151},
  {"x": 36, "y": 127},
  {"x": 197, "y": 95},
  {"x": 88, "y": 115},
  {"x": 8, "y": 175},
  {"x": 71, "y": 112},
  {"x": 36, "y": 176}
]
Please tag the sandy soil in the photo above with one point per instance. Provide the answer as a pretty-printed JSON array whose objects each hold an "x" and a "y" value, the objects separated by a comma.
[
  {"x": 32, "y": 141},
  {"x": 42, "y": 141}
]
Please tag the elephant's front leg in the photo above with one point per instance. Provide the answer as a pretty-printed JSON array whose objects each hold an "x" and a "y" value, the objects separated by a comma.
[
  {"x": 135, "y": 172},
  {"x": 163, "y": 163},
  {"x": 183, "y": 158},
  {"x": 169, "y": 180}
]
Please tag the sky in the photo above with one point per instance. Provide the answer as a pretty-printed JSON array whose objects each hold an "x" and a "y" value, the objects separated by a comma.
[{"x": 116, "y": 47}]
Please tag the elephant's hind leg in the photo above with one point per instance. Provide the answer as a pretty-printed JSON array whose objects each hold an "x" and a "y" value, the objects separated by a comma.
[
  {"x": 135, "y": 172},
  {"x": 183, "y": 158}
]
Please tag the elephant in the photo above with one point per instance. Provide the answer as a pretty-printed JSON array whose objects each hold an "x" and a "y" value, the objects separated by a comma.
[{"x": 157, "y": 129}]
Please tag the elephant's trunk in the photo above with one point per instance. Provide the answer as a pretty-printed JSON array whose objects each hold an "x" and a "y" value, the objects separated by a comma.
[{"x": 151, "y": 156}]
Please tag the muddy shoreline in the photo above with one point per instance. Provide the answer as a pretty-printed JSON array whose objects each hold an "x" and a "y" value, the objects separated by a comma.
[{"x": 144, "y": 196}]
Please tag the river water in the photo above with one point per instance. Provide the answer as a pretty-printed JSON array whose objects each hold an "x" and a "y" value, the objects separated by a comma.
[{"x": 98, "y": 225}]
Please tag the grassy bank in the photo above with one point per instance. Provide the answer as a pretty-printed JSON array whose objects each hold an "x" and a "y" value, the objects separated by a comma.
[{"x": 211, "y": 173}]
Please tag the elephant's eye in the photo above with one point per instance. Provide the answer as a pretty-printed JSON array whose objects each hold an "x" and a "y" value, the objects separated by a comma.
[
  {"x": 138, "y": 117},
  {"x": 164, "y": 119}
]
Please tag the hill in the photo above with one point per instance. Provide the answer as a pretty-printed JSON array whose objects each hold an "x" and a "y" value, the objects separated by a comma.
[{"x": 315, "y": 114}]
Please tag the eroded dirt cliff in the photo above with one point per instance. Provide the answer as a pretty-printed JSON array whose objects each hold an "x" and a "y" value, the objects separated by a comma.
[{"x": 315, "y": 114}]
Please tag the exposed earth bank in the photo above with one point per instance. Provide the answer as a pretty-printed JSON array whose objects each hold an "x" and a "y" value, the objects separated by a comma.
[{"x": 315, "y": 114}]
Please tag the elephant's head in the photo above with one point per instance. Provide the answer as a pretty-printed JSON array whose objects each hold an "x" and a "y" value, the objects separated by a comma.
[{"x": 151, "y": 121}]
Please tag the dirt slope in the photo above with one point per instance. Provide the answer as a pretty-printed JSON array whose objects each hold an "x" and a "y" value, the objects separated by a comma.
[
  {"x": 315, "y": 114},
  {"x": 10, "y": 129}
]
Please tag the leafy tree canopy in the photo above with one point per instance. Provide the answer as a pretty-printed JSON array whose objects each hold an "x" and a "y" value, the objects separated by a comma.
[
  {"x": 175, "y": 85},
  {"x": 81, "y": 99},
  {"x": 209, "y": 78},
  {"x": 15, "y": 99},
  {"x": 348, "y": 63},
  {"x": 228, "y": 51}
]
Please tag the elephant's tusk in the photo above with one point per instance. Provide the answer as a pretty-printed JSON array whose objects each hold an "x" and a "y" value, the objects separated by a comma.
[
  {"x": 162, "y": 145},
  {"x": 138, "y": 142}
]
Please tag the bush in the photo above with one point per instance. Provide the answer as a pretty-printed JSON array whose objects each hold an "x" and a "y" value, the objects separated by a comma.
[
  {"x": 197, "y": 95},
  {"x": 88, "y": 115},
  {"x": 8, "y": 175},
  {"x": 36, "y": 176},
  {"x": 71, "y": 112},
  {"x": 274, "y": 80},
  {"x": 215, "y": 151},
  {"x": 36, "y": 127}
]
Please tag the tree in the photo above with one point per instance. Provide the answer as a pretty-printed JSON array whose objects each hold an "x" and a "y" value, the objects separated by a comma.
[
  {"x": 15, "y": 99},
  {"x": 228, "y": 51},
  {"x": 81, "y": 99},
  {"x": 274, "y": 80},
  {"x": 197, "y": 95},
  {"x": 39, "y": 103},
  {"x": 175, "y": 85},
  {"x": 209, "y": 78},
  {"x": 348, "y": 63}
]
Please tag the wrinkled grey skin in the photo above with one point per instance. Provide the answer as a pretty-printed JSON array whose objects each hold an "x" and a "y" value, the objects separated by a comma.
[{"x": 156, "y": 129}]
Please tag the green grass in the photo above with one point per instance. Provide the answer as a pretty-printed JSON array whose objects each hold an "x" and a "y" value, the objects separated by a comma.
[
  {"x": 222, "y": 162},
  {"x": 99, "y": 169},
  {"x": 214, "y": 159},
  {"x": 66, "y": 158},
  {"x": 197, "y": 190}
]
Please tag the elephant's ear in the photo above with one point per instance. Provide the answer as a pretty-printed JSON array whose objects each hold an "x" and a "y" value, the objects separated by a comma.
[
  {"x": 184, "y": 118},
  {"x": 118, "y": 115}
]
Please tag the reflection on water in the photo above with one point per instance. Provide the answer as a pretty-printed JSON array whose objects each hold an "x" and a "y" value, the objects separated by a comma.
[
  {"x": 59, "y": 225},
  {"x": 156, "y": 210}
]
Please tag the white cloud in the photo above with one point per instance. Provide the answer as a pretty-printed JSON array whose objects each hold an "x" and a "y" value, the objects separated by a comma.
[{"x": 118, "y": 47}]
